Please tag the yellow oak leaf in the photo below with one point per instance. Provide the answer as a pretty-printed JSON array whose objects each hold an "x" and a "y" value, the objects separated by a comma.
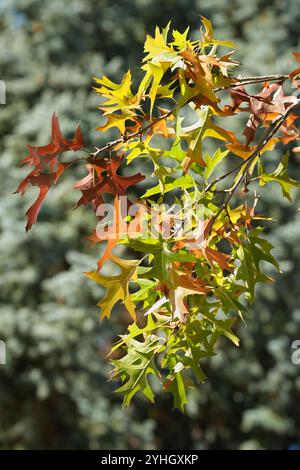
[
  {"x": 117, "y": 287},
  {"x": 157, "y": 48},
  {"x": 119, "y": 96}
]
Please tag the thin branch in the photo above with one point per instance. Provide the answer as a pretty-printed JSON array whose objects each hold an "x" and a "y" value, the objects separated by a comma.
[
  {"x": 264, "y": 78},
  {"x": 253, "y": 80}
]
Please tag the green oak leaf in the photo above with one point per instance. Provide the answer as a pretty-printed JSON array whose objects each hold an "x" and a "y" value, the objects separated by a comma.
[
  {"x": 280, "y": 176},
  {"x": 135, "y": 367}
]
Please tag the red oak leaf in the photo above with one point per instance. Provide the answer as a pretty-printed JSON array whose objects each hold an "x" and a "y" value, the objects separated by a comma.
[
  {"x": 103, "y": 178},
  {"x": 40, "y": 158},
  {"x": 264, "y": 107}
]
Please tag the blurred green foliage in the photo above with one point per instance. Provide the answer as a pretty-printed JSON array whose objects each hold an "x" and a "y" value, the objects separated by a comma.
[{"x": 53, "y": 390}]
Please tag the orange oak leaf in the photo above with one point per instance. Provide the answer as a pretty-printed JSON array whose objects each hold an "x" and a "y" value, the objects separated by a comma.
[
  {"x": 296, "y": 72},
  {"x": 244, "y": 151}
]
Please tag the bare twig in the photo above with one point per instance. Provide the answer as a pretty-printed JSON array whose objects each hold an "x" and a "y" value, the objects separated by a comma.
[{"x": 253, "y": 80}]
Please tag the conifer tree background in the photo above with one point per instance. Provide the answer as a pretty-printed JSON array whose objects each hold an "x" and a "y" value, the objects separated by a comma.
[{"x": 53, "y": 390}]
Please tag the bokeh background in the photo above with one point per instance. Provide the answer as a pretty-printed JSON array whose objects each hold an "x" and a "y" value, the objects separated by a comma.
[{"x": 54, "y": 391}]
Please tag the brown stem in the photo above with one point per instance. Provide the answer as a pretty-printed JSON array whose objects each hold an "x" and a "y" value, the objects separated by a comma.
[{"x": 253, "y": 80}]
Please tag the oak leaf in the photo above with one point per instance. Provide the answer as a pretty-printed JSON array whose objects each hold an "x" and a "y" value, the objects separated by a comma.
[
  {"x": 40, "y": 158},
  {"x": 117, "y": 287},
  {"x": 103, "y": 178}
]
